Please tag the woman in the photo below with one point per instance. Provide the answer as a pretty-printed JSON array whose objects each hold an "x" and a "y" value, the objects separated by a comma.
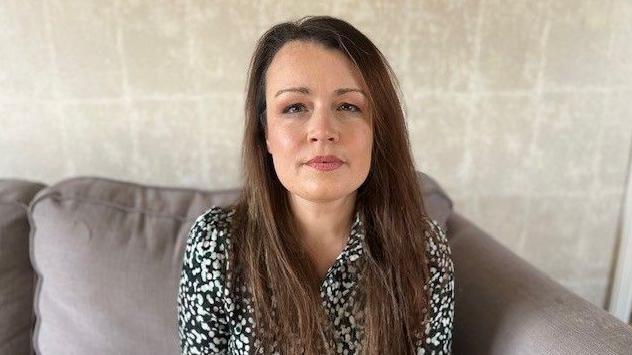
[{"x": 329, "y": 248}]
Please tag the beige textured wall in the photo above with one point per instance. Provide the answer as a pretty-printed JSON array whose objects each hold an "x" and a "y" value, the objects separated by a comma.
[{"x": 520, "y": 109}]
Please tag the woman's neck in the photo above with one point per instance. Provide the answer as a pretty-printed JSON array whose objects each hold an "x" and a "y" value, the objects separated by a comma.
[
  {"x": 323, "y": 221},
  {"x": 323, "y": 227}
]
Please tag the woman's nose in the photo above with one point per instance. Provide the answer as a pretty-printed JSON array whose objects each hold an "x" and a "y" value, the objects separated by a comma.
[{"x": 323, "y": 127}]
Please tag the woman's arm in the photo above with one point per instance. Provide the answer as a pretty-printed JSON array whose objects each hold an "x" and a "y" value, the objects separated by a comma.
[
  {"x": 437, "y": 338},
  {"x": 202, "y": 322}
]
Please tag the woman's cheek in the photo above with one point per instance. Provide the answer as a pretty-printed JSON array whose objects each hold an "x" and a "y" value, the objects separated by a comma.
[
  {"x": 363, "y": 136},
  {"x": 287, "y": 138},
  {"x": 287, "y": 144}
]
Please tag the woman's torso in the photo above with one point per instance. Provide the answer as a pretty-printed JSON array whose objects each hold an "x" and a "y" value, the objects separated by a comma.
[{"x": 214, "y": 317}]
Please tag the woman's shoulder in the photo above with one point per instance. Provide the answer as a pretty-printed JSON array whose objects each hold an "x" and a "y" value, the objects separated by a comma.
[
  {"x": 216, "y": 217},
  {"x": 438, "y": 251},
  {"x": 209, "y": 234},
  {"x": 440, "y": 286},
  {"x": 204, "y": 279},
  {"x": 436, "y": 235}
]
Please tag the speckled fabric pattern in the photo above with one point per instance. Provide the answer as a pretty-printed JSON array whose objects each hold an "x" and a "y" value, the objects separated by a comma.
[{"x": 213, "y": 320}]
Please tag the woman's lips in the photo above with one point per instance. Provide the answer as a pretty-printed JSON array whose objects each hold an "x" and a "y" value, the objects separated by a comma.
[
  {"x": 325, "y": 162},
  {"x": 326, "y": 166}
]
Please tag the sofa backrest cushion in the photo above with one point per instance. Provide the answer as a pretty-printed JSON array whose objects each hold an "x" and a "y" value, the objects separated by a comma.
[
  {"x": 108, "y": 256},
  {"x": 16, "y": 274}
]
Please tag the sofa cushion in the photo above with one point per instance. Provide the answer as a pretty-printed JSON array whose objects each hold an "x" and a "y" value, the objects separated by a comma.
[
  {"x": 16, "y": 274},
  {"x": 108, "y": 256},
  {"x": 438, "y": 204}
]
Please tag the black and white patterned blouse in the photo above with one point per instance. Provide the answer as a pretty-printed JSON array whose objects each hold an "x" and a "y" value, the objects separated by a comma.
[{"x": 211, "y": 320}]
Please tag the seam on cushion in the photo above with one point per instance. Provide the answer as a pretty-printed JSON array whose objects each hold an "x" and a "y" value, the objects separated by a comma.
[
  {"x": 146, "y": 186},
  {"x": 36, "y": 286},
  {"x": 56, "y": 196}
]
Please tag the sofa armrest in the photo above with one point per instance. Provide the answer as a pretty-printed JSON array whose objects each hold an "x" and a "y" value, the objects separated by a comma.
[{"x": 504, "y": 305}]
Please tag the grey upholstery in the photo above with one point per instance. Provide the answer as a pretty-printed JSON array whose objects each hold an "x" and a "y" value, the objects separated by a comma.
[
  {"x": 16, "y": 274},
  {"x": 107, "y": 256},
  {"x": 506, "y": 306}
]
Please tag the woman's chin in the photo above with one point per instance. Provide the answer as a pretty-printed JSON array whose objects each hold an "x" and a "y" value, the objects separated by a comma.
[{"x": 324, "y": 194}]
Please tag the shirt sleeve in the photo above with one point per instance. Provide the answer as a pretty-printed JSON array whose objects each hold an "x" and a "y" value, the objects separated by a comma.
[
  {"x": 440, "y": 288},
  {"x": 202, "y": 322}
]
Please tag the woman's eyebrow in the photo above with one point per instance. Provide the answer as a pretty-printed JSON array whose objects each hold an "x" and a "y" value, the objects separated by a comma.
[{"x": 306, "y": 91}]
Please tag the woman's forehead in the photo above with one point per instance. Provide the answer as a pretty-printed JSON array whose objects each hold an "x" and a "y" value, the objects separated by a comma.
[{"x": 311, "y": 65}]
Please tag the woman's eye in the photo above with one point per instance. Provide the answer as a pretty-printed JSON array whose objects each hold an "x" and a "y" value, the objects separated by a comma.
[
  {"x": 350, "y": 107},
  {"x": 296, "y": 108},
  {"x": 291, "y": 108}
]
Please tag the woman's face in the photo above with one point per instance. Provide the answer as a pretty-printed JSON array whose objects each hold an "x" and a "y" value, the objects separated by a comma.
[{"x": 311, "y": 112}]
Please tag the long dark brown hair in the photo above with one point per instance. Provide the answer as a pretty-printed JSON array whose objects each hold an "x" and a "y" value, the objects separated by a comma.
[{"x": 277, "y": 272}]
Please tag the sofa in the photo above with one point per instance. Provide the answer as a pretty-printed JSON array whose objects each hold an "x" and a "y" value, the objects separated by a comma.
[{"x": 91, "y": 265}]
